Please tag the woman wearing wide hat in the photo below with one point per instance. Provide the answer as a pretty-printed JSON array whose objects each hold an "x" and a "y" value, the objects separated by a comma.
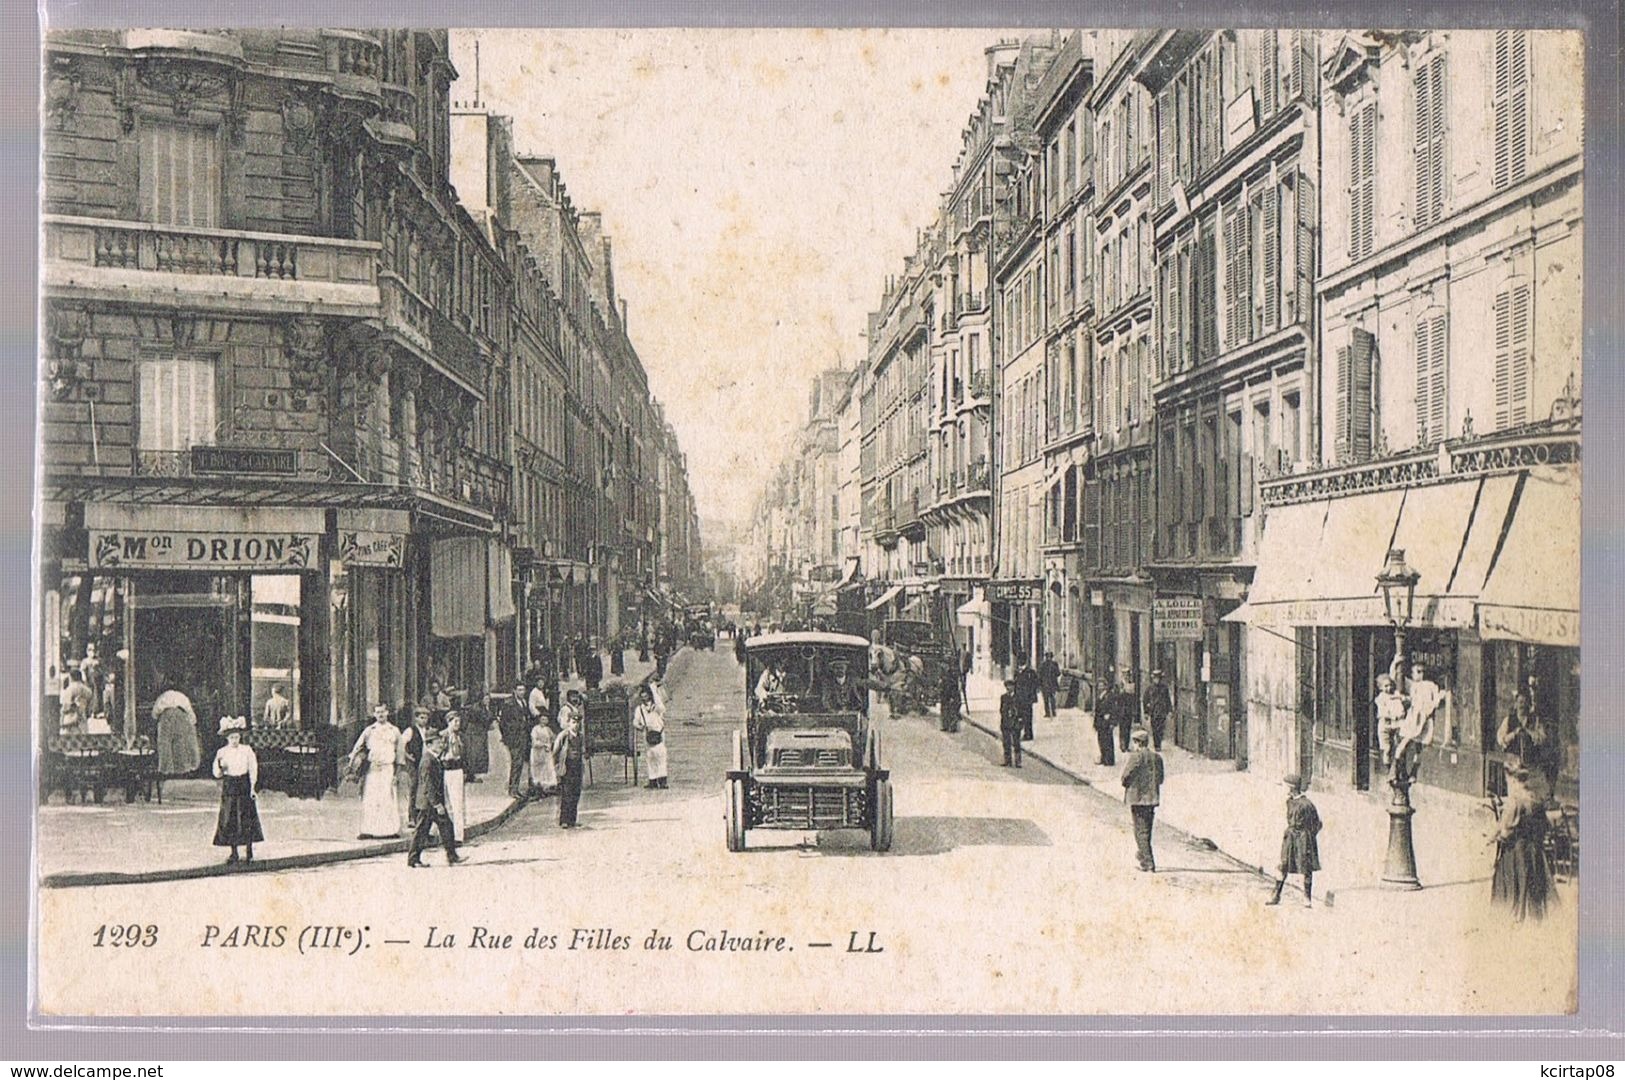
[{"x": 238, "y": 770}]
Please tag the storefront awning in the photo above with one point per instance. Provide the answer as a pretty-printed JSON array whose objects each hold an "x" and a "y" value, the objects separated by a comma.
[
  {"x": 457, "y": 587},
  {"x": 885, "y": 598},
  {"x": 1533, "y": 590},
  {"x": 499, "y": 580},
  {"x": 1324, "y": 577},
  {"x": 972, "y": 610},
  {"x": 850, "y": 577}
]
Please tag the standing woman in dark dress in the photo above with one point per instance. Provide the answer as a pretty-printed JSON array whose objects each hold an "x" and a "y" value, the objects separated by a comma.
[
  {"x": 1522, "y": 880},
  {"x": 238, "y": 770}
]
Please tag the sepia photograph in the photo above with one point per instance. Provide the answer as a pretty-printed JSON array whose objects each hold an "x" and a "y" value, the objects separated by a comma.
[{"x": 864, "y": 522}]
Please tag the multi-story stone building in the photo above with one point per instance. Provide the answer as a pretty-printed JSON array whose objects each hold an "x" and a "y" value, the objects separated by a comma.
[
  {"x": 1236, "y": 217},
  {"x": 269, "y": 334},
  {"x": 289, "y": 376},
  {"x": 1443, "y": 419}
]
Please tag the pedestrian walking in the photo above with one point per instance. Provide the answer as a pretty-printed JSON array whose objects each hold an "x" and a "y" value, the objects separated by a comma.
[
  {"x": 739, "y": 647},
  {"x": 650, "y": 718},
  {"x": 430, "y": 799},
  {"x": 513, "y": 726},
  {"x": 594, "y": 670},
  {"x": 1027, "y": 689},
  {"x": 1522, "y": 879},
  {"x": 1012, "y": 714},
  {"x": 1105, "y": 720},
  {"x": 617, "y": 655},
  {"x": 1127, "y": 711},
  {"x": 1049, "y": 683},
  {"x": 476, "y": 735},
  {"x": 238, "y": 770},
  {"x": 1156, "y": 706},
  {"x": 453, "y": 762},
  {"x": 1142, "y": 790},
  {"x": 1300, "y": 850},
  {"x": 373, "y": 760},
  {"x": 949, "y": 698},
  {"x": 568, "y": 758}
]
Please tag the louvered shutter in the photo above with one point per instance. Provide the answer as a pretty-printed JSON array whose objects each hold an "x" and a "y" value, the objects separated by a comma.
[
  {"x": 1269, "y": 73},
  {"x": 1295, "y": 63},
  {"x": 1234, "y": 330},
  {"x": 1438, "y": 377},
  {"x": 1304, "y": 250},
  {"x": 1512, "y": 356},
  {"x": 1360, "y": 395},
  {"x": 1345, "y": 377},
  {"x": 1511, "y": 106},
  {"x": 1430, "y": 378},
  {"x": 1306, "y": 66},
  {"x": 1165, "y": 143},
  {"x": 1430, "y": 136},
  {"x": 1362, "y": 179},
  {"x": 1207, "y": 304},
  {"x": 1271, "y": 255}
]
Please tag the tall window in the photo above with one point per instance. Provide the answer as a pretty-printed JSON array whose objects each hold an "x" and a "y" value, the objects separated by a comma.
[
  {"x": 1430, "y": 129},
  {"x": 1362, "y": 179},
  {"x": 1514, "y": 362},
  {"x": 1511, "y": 105},
  {"x": 180, "y": 175},
  {"x": 177, "y": 404},
  {"x": 1431, "y": 418}
]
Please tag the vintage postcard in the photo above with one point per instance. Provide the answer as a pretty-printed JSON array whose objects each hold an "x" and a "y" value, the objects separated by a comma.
[{"x": 543, "y": 523}]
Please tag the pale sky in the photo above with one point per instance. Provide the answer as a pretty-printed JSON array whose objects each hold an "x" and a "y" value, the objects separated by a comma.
[{"x": 758, "y": 187}]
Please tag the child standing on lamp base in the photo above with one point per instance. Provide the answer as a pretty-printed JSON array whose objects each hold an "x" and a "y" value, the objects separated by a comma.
[
  {"x": 238, "y": 771},
  {"x": 1300, "y": 851}
]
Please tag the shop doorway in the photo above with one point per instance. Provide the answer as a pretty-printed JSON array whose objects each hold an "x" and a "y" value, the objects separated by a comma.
[{"x": 185, "y": 639}]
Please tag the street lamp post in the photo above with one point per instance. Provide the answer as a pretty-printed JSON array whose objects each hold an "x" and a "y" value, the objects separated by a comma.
[{"x": 1398, "y": 583}]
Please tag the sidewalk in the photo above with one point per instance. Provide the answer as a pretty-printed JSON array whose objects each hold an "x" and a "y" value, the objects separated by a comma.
[
  {"x": 85, "y": 844},
  {"x": 1243, "y": 813}
]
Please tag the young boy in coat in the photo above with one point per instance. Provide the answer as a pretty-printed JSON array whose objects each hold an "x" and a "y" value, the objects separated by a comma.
[{"x": 1300, "y": 851}]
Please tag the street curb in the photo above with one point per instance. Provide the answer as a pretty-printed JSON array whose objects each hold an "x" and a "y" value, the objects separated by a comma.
[
  {"x": 75, "y": 880},
  {"x": 1189, "y": 837}
]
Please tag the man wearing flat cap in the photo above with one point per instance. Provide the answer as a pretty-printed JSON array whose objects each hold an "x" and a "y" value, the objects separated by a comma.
[{"x": 1142, "y": 790}]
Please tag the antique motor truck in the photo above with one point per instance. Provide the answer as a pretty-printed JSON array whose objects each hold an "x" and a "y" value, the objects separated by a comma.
[{"x": 808, "y": 759}]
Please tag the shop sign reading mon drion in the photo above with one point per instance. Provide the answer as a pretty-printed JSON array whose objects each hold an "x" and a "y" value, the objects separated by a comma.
[{"x": 200, "y": 551}]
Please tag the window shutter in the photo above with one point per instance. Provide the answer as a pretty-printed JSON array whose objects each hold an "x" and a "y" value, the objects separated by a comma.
[
  {"x": 1269, "y": 73},
  {"x": 1362, "y": 179},
  {"x": 1345, "y": 376},
  {"x": 1438, "y": 381},
  {"x": 1431, "y": 385},
  {"x": 1511, "y": 106},
  {"x": 1430, "y": 136},
  {"x": 1360, "y": 395},
  {"x": 1304, "y": 250},
  {"x": 1248, "y": 484},
  {"x": 1207, "y": 302},
  {"x": 1165, "y": 143},
  {"x": 1306, "y": 75},
  {"x": 1512, "y": 356},
  {"x": 1295, "y": 63},
  {"x": 1234, "y": 331},
  {"x": 1271, "y": 255}
]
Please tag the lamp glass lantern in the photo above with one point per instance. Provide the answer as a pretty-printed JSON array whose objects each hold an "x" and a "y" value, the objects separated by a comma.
[{"x": 1398, "y": 583}]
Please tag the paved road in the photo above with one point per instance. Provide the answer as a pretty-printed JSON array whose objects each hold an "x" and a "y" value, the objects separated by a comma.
[{"x": 1007, "y": 891}]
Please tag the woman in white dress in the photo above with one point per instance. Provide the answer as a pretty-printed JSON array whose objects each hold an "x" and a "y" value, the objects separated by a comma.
[
  {"x": 456, "y": 776},
  {"x": 238, "y": 771},
  {"x": 374, "y": 759},
  {"x": 650, "y": 718}
]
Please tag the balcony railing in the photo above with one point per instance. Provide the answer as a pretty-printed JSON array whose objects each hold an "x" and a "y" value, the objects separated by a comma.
[
  {"x": 353, "y": 54},
  {"x": 976, "y": 477},
  {"x": 406, "y": 313},
  {"x": 228, "y": 253},
  {"x": 981, "y": 384},
  {"x": 969, "y": 302}
]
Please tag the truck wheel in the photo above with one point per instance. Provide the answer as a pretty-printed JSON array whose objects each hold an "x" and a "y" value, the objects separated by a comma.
[
  {"x": 880, "y": 817},
  {"x": 733, "y": 801}
]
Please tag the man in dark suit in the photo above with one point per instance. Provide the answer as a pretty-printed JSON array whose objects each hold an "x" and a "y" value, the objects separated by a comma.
[
  {"x": 430, "y": 800},
  {"x": 1011, "y": 714},
  {"x": 1049, "y": 683},
  {"x": 1142, "y": 790},
  {"x": 1127, "y": 710},
  {"x": 1105, "y": 720},
  {"x": 593, "y": 670},
  {"x": 514, "y": 723},
  {"x": 1027, "y": 691},
  {"x": 412, "y": 720},
  {"x": 1156, "y": 706}
]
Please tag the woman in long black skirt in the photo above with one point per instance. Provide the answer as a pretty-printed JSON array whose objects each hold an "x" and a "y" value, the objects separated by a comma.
[
  {"x": 238, "y": 770},
  {"x": 1522, "y": 880}
]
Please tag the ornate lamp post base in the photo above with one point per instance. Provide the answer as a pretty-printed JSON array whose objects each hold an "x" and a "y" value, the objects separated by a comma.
[{"x": 1400, "y": 871}]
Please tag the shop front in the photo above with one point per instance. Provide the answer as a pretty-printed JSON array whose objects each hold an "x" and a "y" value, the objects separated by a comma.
[
  {"x": 227, "y": 606},
  {"x": 1018, "y": 612},
  {"x": 1119, "y": 617},
  {"x": 1495, "y": 613}
]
